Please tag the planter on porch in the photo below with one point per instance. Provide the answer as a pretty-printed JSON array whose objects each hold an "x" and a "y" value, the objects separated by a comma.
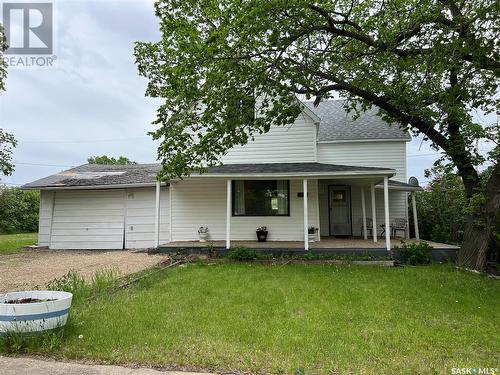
[
  {"x": 203, "y": 234},
  {"x": 312, "y": 234},
  {"x": 261, "y": 234}
]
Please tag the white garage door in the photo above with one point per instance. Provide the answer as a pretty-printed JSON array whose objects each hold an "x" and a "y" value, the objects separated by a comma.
[{"x": 88, "y": 220}]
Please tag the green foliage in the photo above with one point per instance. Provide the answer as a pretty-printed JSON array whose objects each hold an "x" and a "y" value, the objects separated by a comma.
[
  {"x": 83, "y": 288},
  {"x": 405, "y": 57},
  {"x": 106, "y": 160},
  {"x": 443, "y": 206},
  {"x": 242, "y": 253},
  {"x": 29, "y": 343},
  {"x": 414, "y": 253},
  {"x": 18, "y": 210},
  {"x": 7, "y": 140}
]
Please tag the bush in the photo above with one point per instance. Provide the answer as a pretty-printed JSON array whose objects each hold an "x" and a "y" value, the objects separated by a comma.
[
  {"x": 242, "y": 253},
  {"x": 18, "y": 210},
  {"x": 414, "y": 253}
]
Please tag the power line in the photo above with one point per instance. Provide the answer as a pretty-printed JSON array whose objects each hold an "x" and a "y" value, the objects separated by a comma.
[
  {"x": 44, "y": 165},
  {"x": 84, "y": 141}
]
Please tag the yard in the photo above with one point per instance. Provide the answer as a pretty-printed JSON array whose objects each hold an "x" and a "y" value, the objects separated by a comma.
[
  {"x": 13, "y": 243},
  {"x": 279, "y": 319}
]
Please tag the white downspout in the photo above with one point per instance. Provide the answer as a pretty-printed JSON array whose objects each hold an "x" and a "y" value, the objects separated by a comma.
[{"x": 363, "y": 208}]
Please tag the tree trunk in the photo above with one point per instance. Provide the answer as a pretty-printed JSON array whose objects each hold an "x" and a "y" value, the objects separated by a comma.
[{"x": 482, "y": 232}]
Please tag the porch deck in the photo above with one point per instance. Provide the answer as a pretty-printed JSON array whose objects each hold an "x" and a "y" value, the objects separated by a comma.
[{"x": 326, "y": 243}]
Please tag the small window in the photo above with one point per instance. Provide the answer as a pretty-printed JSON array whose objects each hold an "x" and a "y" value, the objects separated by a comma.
[
  {"x": 261, "y": 198},
  {"x": 339, "y": 196}
]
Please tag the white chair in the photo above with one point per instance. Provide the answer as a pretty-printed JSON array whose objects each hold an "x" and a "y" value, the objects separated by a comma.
[
  {"x": 399, "y": 224},
  {"x": 369, "y": 226}
]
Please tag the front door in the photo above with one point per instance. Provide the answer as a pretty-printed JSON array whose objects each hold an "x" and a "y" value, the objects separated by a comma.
[{"x": 340, "y": 210}]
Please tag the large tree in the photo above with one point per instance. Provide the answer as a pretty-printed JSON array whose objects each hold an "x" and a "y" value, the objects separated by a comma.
[
  {"x": 7, "y": 140},
  {"x": 425, "y": 64},
  {"x": 106, "y": 160}
]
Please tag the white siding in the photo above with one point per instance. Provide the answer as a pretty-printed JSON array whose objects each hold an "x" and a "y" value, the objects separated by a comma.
[
  {"x": 283, "y": 144},
  {"x": 140, "y": 220},
  {"x": 397, "y": 206},
  {"x": 385, "y": 154},
  {"x": 45, "y": 217},
  {"x": 202, "y": 202},
  {"x": 88, "y": 219}
]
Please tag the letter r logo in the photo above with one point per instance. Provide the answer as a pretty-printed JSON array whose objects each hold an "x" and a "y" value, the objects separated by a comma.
[{"x": 28, "y": 28}]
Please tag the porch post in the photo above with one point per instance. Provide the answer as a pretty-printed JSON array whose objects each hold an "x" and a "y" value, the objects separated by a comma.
[
  {"x": 306, "y": 224},
  {"x": 228, "y": 214},
  {"x": 157, "y": 214},
  {"x": 386, "y": 214},
  {"x": 415, "y": 219},
  {"x": 170, "y": 210},
  {"x": 317, "y": 210},
  {"x": 374, "y": 213},
  {"x": 363, "y": 208}
]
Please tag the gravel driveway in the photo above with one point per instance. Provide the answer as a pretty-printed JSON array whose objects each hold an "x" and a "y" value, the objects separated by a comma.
[{"x": 37, "y": 267}]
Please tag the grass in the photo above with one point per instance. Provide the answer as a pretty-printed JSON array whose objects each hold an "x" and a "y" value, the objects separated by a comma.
[
  {"x": 13, "y": 243},
  {"x": 294, "y": 319}
]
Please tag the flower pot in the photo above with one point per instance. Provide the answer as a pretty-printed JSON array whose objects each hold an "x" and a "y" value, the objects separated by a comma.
[
  {"x": 34, "y": 311},
  {"x": 203, "y": 237},
  {"x": 311, "y": 237},
  {"x": 261, "y": 236}
]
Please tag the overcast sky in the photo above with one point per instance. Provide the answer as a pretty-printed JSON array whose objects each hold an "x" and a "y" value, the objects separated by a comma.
[{"x": 93, "y": 102}]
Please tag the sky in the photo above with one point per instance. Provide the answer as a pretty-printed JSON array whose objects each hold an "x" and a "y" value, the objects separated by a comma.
[{"x": 92, "y": 102}]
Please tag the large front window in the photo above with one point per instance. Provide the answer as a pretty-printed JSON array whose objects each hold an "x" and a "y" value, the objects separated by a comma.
[{"x": 261, "y": 198}]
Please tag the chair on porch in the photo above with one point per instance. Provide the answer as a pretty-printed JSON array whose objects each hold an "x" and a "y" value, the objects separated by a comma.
[
  {"x": 369, "y": 226},
  {"x": 399, "y": 225}
]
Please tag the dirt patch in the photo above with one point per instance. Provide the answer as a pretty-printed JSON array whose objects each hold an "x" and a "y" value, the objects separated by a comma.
[{"x": 32, "y": 268}]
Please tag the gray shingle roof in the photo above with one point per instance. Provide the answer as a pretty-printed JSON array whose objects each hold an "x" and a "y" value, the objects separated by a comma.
[
  {"x": 99, "y": 175},
  {"x": 285, "y": 168},
  {"x": 337, "y": 124},
  {"x": 90, "y": 175}
]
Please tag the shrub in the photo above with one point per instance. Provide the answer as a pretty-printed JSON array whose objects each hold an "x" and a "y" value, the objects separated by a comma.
[
  {"x": 414, "y": 253},
  {"x": 242, "y": 253}
]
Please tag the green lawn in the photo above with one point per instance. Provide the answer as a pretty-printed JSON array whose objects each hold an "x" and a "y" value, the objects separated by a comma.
[
  {"x": 12, "y": 243},
  {"x": 262, "y": 318}
]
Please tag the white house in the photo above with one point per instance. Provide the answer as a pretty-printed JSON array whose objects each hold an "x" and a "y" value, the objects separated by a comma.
[{"x": 342, "y": 175}]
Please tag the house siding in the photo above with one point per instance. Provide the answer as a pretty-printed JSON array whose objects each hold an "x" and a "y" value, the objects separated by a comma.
[
  {"x": 140, "y": 218},
  {"x": 45, "y": 217},
  {"x": 282, "y": 144},
  {"x": 202, "y": 202},
  {"x": 384, "y": 154}
]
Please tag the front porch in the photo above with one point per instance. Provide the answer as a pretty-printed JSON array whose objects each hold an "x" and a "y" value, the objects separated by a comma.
[
  {"x": 327, "y": 246},
  {"x": 326, "y": 243}
]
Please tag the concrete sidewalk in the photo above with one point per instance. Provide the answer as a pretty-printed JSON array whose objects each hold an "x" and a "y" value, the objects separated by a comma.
[{"x": 30, "y": 366}]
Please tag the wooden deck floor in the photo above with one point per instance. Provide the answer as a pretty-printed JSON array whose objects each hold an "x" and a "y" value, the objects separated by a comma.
[{"x": 325, "y": 243}]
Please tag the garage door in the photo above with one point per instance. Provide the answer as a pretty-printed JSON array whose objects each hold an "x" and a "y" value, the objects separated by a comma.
[{"x": 88, "y": 220}]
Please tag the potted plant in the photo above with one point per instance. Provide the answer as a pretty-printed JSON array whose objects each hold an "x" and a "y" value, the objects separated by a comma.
[
  {"x": 312, "y": 234},
  {"x": 203, "y": 233},
  {"x": 261, "y": 234}
]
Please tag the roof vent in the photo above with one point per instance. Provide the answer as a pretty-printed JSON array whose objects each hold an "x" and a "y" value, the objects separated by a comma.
[{"x": 413, "y": 181}]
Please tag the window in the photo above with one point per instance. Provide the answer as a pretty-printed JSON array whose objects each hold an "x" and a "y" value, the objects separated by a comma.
[{"x": 261, "y": 198}]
